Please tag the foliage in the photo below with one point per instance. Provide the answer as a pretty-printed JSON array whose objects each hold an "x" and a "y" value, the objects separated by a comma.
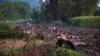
[
  {"x": 4, "y": 27},
  {"x": 47, "y": 49},
  {"x": 86, "y": 21},
  {"x": 73, "y": 8},
  {"x": 66, "y": 52},
  {"x": 64, "y": 9},
  {"x": 49, "y": 11},
  {"x": 8, "y": 33},
  {"x": 15, "y": 10},
  {"x": 97, "y": 12},
  {"x": 35, "y": 15},
  {"x": 12, "y": 52}
]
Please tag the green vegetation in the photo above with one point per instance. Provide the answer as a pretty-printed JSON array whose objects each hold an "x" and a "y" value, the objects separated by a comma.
[
  {"x": 62, "y": 9},
  {"x": 12, "y": 52},
  {"x": 15, "y": 10},
  {"x": 11, "y": 33},
  {"x": 47, "y": 49},
  {"x": 97, "y": 12},
  {"x": 85, "y": 22},
  {"x": 67, "y": 52},
  {"x": 12, "y": 22},
  {"x": 18, "y": 12},
  {"x": 58, "y": 13},
  {"x": 4, "y": 27},
  {"x": 36, "y": 15}
]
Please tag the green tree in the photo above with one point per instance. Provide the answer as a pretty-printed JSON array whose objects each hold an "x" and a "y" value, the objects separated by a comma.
[
  {"x": 36, "y": 14},
  {"x": 97, "y": 12},
  {"x": 74, "y": 8},
  {"x": 15, "y": 10}
]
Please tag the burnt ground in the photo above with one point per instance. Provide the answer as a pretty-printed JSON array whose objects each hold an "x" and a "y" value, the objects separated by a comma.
[{"x": 82, "y": 38}]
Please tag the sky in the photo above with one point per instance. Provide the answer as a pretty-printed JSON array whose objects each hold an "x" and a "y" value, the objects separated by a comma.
[
  {"x": 32, "y": 3},
  {"x": 98, "y": 5},
  {"x": 1, "y": 2}
]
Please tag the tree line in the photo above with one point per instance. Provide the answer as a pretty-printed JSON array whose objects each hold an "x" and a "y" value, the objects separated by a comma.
[
  {"x": 53, "y": 10},
  {"x": 19, "y": 10},
  {"x": 14, "y": 10},
  {"x": 70, "y": 8}
]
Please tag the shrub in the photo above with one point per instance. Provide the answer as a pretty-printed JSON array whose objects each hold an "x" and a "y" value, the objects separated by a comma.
[
  {"x": 97, "y": 12},
  {"x": 67, "y": 52},
  {"x": 2, "y": 53},
  {"x": 4, "y": 27},
  {"x": 39, "y": 36},
  {"x": 10, "y": 33}
]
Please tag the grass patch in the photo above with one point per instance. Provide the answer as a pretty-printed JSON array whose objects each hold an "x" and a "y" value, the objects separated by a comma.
[
  {"x": 67, "y": 52},
  {"x": 6, "y": 32},
  {"x": 85, "y": 21},
  {"x": 12, "y": 22},
  {"x": 12, "y": 52}
]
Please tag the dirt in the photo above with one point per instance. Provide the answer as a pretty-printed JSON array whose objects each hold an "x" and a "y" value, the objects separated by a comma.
[{"x": 8, "y": 44}]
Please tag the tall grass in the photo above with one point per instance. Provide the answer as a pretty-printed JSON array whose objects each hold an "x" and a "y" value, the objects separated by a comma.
[
  {"x": 67, "y": 52},
  {"x": 86, "y": 22},
  {"x": 12, "y": 22}
]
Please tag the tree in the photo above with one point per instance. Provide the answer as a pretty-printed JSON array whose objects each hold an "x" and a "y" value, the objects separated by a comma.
[
  {"x": 36, "y": 14},
  {"x": 49, "y": 10},
  {"x": 23, "y": 9},
  {"x": 15, "y": 10},
  {"x": 97, "y": 12},
  {"x": 74, "y": 8}
]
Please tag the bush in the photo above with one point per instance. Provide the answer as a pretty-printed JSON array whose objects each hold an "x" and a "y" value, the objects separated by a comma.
[
  {"x": 97, "y": 12},
  {"x": 12, "y": 52},
  {"x": 66, "y": 52},
  {"x": 39, "y": 36},
  {"x": 2, "y": 53},
  {"x": 88, "y": 22},
  {"x": 11, "y": 33},
  {"x": 4, "y": 27}
]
